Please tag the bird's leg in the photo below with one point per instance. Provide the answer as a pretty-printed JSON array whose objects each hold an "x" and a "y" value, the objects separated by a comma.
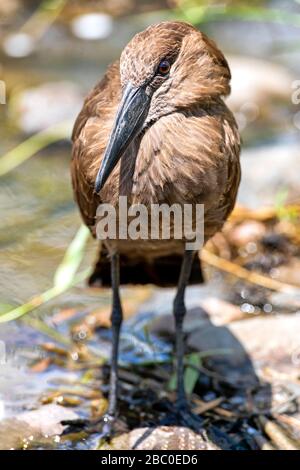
[
  {"x": 179, "y": 312},
  {"x": 116, "y": 321}
]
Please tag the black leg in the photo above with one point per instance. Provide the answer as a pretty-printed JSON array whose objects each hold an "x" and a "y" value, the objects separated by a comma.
[
  {"x": 179, "y": 313},
  {"x": 116, "y": 321}
]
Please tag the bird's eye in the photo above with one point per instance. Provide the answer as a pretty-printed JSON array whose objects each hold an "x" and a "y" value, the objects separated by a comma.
[{"x": 164, "y": 67}]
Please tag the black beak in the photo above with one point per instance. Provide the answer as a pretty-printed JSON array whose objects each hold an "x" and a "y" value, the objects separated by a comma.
[{"x": 131, "y": 115}]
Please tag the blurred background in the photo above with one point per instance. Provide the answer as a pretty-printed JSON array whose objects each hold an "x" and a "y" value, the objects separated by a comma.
[{"x": 51, "y": 53}]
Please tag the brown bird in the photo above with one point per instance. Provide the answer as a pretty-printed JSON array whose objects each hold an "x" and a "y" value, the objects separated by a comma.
[{"x": 156, "y": 129}]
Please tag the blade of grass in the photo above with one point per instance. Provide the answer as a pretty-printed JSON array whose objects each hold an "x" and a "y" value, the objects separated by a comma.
[
  {"x": 5, "y": 308},
  {"x": 66, "y": 271},
  {"x": 191, "y": 374},
  {"x": 38, "y": 325},
  {"x": 42, "y": 327},
  {"x": 43, "y": 17},
  {"x": 34, "y": 144},
  {"x": 65, "y": 277},
  {"x": 41, "y": 299}
]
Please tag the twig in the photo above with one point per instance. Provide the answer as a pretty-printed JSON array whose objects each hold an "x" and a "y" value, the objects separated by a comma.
[
  {"x": 290, "y": 420},
  {"x": 259, "y": 439},
  {"x": 203, "y": 406},
  {"x": 262, "y": 442},
  {"x": 277, "y": 434}
]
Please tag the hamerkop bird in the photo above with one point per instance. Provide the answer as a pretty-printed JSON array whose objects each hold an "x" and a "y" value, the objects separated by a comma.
[{"x": 157, "y": 130}]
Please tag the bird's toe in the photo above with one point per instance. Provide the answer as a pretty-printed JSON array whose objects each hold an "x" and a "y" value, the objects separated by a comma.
[{"x": 186, "y": 417}]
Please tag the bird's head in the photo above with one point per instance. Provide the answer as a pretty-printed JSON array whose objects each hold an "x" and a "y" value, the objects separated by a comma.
[{"x": 168, "y": 67}]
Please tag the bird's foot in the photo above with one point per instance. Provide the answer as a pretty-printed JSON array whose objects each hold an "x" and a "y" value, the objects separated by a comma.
[
  {"x": 104, "y": 426},
  {"x": 105, "y": 429},
  {"x": 186, "y": 417},
  {"x": 182, "y": 415}
]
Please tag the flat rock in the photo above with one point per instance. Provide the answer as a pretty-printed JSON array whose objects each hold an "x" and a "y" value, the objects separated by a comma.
[
  {"x": 47, "y": 419},
  {"x": 27, "y": 427},
  {"x": 161, "y": 438},
  {"x": 251, "y": 344},
  {"x": 237, "y": 348},
  {"x": 270, "y": 340}
]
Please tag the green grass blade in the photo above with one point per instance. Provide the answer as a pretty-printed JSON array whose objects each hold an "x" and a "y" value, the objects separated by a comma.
[
  {"x": 41, "y": 299},
  {"x": 32, "y": 145},
  {"x": 191, "y": 374},
  {"x": 67, "y": 269}
]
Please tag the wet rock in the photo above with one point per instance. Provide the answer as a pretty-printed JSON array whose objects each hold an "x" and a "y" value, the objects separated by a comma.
[
  {"x": 20, "y": 432},
  {"x": 15, "y": 435},
  {"x": 260, "y": 341},
  {"x": 47, "y": 419},
  {"x": 161, "y": 438},
  {"x": 270, "y": 340},
  {"x": 238, "y": 349}
]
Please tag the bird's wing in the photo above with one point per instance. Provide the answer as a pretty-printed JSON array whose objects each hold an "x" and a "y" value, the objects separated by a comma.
[
  {"x": 196, "y": 161},
  {"x": 232, "y": 148},
  {"x": 90, "y": 134}
]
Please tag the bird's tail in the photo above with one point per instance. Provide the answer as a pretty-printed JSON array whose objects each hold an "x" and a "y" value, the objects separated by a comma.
[{"x": 163, "y": 271}]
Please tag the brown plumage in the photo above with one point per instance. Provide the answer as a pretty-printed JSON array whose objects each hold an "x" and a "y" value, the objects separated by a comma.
[
  {"x": 189, "y": 152},
  {"x": 185, "y": 151}
]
